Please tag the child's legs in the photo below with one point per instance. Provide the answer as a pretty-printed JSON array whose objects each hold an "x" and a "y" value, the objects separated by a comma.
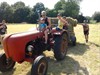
[
  {"x": 46, "y": 36},
  {"x": 86, "y": 36},
  {"x": 87, "y": 33}
]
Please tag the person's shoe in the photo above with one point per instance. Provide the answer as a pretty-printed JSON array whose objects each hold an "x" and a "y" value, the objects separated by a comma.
[
  {"x": 86, "y": 41},
  {"x": 45, "y": 43}
]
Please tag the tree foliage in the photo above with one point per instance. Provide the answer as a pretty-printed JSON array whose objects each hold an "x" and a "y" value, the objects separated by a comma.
[
  {"x": 68, "y": 7},
  {"x": 5, "y": 11},
  {"x": 81, "y": 18},
  {"x": 96, "y": 16},
  {"x": 39, "y": 6},
  {"x": 51, "y": 13},
  {"x": 18, "y": 5},
  {"x": 19, "y": 12},
  {"x": 37, "y": 10}
]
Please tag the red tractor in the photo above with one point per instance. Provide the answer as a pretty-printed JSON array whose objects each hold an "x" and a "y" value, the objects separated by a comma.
[{"x": 29, "y": 46}]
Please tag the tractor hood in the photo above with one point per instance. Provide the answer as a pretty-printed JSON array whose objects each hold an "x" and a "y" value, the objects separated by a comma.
[{"x": 14, "y": 44}]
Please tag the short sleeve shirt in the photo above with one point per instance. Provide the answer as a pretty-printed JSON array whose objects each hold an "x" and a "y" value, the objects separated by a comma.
[{"x": 60, "y": 24}]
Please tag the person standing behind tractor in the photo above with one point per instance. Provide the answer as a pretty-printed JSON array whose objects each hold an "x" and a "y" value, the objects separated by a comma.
[
  {"x": 71, "y": 24},
  {"x": 3, "y": 30},
  {"x": 66, "y": 25},
  {"x": 86, "y": 30},
  {"x": 61, "y": 22}
]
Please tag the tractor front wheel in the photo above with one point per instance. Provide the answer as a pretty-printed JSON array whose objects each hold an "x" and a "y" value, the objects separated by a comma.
[
  {"x": 6, "y": 64},
  {"x": 39, "y": 66}
]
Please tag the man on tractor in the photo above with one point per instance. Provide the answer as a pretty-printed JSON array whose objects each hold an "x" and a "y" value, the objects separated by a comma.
[
  {"x": 43, "y": 28},
  {"x": 46, "y": 19},
  {"x": 48, "y": 23}
]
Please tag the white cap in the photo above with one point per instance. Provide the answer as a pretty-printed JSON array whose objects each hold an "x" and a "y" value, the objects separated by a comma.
[{"x": 43, "y": 13}]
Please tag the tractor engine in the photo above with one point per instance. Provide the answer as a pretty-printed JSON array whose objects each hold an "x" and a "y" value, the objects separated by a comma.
[{"x": 35, "y": 47}]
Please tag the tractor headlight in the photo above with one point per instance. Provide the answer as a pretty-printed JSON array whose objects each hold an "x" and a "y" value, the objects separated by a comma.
[{"x": 30, "y": 48}]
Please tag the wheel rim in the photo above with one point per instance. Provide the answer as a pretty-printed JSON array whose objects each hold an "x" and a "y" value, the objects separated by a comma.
[
  {"x": 42, "y": 68},
  {"x": 64, "y": 44},
  {"x": 7, "y": 63}
]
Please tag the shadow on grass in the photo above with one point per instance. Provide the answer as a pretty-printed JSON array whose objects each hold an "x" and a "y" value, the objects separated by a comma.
[
  {"x": 68, "y": 66},
  {"x": 9, "y": 72},
  {"x": 94, "y": 44},
  {"x": 79, "y": 49}
]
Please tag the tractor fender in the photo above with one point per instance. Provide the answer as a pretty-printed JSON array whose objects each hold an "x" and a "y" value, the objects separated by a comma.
[{"x": 59, "y": 33}]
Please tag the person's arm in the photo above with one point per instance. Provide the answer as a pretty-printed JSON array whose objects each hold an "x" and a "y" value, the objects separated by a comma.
[
  {"x": 1, "y": 26},
  {"x": 64, "y": 21},
  {"x": 49, "y": 23}
]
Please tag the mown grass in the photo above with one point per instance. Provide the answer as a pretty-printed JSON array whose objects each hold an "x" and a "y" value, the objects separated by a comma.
[{"x": 83, "y": 59}]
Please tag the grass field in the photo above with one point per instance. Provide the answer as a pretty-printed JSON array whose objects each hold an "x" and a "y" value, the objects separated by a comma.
[{"x": 83, "y": 59}]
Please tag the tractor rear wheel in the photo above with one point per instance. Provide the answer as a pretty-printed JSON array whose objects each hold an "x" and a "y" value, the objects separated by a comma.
[
  {"x": 39, "y": 66},
  {"x": 6, "y": 64},
  {"x": 60, "y": 46}
]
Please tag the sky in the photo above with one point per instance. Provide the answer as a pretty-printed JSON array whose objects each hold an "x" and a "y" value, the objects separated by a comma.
[{"x": 87, "y": 7}]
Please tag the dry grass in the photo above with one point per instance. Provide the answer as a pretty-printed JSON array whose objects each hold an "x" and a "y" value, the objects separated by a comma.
[{"x": 83, "y": 59}]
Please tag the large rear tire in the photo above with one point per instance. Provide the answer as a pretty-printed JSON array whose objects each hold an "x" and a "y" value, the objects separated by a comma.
[
  {"x": 60, "y": 46},
  {"x": 39, "y": 66},
  {"x": 6, "y": 64}
]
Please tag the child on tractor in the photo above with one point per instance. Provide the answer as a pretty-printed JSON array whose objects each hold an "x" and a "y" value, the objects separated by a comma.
[{"x": 43, "y": 28}]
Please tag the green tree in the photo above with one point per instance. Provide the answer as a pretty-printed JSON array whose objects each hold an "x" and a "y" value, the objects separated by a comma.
[
  {"x": 68, "y": 7},
  {"x": 88, "y": 18},
  {"x": 81, "y": 18},
  {"x": 58, "y": 6},
  {"x": 18, "y": 5},
  {"x": 96, "y": 16},
  {"x": 51, "y": 13},
  {"x": 5, "y": 12},
  {"x": 37, "y": 9},
  {"x": 21, "y": 14}
]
